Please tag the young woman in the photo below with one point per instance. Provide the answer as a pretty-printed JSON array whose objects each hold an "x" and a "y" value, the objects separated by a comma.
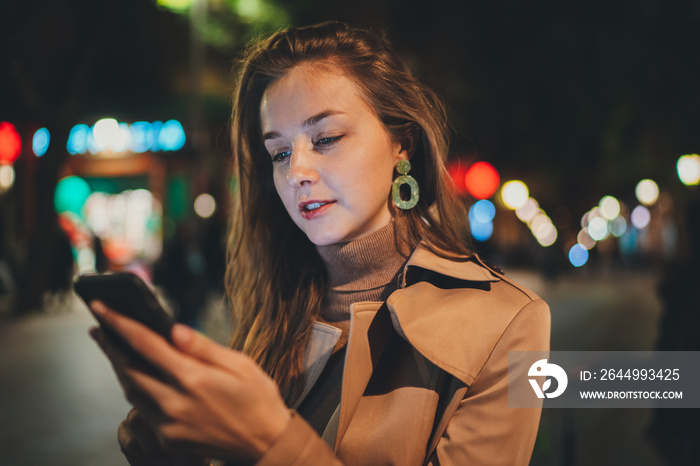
[{"x": 366, "y": 330}]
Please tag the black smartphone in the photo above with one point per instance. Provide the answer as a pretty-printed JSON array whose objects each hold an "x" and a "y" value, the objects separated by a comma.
[{"x": 127, "y": 294}]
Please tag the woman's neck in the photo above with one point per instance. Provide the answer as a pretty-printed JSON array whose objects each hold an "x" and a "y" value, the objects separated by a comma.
[{"x": 361, "y": 270}]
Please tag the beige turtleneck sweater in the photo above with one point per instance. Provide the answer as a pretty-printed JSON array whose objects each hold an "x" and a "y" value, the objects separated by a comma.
[
  {"x": 366, "y": 269},
  {"x": 362, "y": 270}
]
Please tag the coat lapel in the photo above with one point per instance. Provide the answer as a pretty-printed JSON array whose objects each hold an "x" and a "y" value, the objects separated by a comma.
[
  {"x": 419, "y": 317},
  {"x": 370, "y": 329}
]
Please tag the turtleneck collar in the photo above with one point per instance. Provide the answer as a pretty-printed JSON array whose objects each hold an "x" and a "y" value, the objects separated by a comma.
[{"x": 363, "y": 264}]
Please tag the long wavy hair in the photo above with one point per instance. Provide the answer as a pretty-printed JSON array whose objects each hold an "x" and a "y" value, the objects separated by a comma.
[{"x": 275, "y": 278}]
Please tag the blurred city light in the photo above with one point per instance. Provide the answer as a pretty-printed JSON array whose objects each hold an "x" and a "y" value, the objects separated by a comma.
[
  {"x": 598, "y": 228},
  {"x": 528, "y": 211},
  {"x": 176, "y": 5},
  {"x": 585, "y": 240},
  {"x": 640, "y": 217},
  {"x": 481, "y": 231},
  {"x": 128, "y": 224},
  {"x": 647, "y": 192},
  {"x": 40, "y": 141},
  {"x": 97, "y": 214},
  {"x": 545, "y": 234},
  {"x": 105, "y": 132},
  {"x": 111, "y": 135},
  {"x": 71, "y": 194},
  {"x": 480, "y": 221},
  {"x": 617, "y": 226},
  {"x": 539, "y": 219},
  {"x": 609, "y": 207},
  {"x": 7, "y": 177},
  {"x": 171, "y": 136},
  {"x": 688, "y": 167},
  {"x": 578, "y": 255},
  {"x": 78, "y": 139},
  {"x": 142, "y": 137},
  {"x": 484, "y": 211},
  {"x": 205, "y": 205},
  {"x": 10, "y": 143},
  {"x": 482, "y": 180},
  {"x": 514, "y": 194},
  {"x": 108, "y": 134}
]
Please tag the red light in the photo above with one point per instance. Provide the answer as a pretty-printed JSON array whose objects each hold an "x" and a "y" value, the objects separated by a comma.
[
  {"x": 10, "y": 143},
  {"x": 482, "y": 180}
]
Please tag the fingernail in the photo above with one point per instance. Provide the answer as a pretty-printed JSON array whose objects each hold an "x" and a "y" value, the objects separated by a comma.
[
  {"x": 181, "y": 334},
  {"x": 98, "y": 308}
]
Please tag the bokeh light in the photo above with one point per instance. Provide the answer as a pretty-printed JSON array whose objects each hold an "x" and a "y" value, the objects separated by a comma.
[
  {"x": 481, "y": 231},
  {"x": 640, "y": 217},
  {"x": 40, "y": 141},
  {"x": 480, "y": 220},
  {"x": 647, "y": 192},
  {"x": 78, "y": 139},
  {"x": 105, "y": 132},
  {"x": 514, "y": 194},
  {"x": 585, "y": 240},
  {"x": 71, "y": 194},
  {"x": 545, "y": 234},
  {"x": 171, "y": 136},
  {"x": 598, "y": 228},
  {"x": 484, "y": 210},
  {"x": 10, "y": 143},
  {"x": 528, "y": 211},
  {"x": 7, "y": 177},
  {"x": 142, "y": 137},
  {"x": 609, "y": 207},
  {"x": 688, "y": 167},
  {"x": 617, "y": 226},
  {"x": 578, "y": 255},
  {"x": 205, "y": 205},
  {"x": 482, "y": 180}
]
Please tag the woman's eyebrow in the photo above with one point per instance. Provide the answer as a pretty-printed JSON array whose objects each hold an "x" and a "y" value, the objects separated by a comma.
[
  {"x": 320, "y": 116},
  {"x": 308, "y": 122}
]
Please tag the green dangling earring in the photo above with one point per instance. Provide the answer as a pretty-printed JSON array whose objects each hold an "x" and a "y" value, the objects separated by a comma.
[{"x": 403, "y": 167}]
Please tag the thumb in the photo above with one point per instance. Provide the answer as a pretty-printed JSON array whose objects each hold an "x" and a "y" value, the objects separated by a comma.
[{"x": 197, "y": 345}]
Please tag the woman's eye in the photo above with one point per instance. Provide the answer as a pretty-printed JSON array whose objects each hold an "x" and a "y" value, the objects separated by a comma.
[
  {"x": 280, "y": 156},
  {"x": 328, "y": 141}
]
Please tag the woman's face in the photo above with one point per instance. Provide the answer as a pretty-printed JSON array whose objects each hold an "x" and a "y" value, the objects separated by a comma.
[{"x": 332, "y": 159}]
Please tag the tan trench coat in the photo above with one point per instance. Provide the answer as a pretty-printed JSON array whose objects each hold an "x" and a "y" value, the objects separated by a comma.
[{"x": 425, "y": 378}]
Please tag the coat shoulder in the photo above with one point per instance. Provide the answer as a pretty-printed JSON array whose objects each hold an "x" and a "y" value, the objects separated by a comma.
[{"x": 456, "y": 322}]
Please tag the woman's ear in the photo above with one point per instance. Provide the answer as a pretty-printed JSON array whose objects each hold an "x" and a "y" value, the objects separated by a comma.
[{"x": 406, "y": 148}]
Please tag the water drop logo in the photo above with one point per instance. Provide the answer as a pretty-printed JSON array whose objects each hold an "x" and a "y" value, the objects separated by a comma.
[{"x": 551, "y": 371}]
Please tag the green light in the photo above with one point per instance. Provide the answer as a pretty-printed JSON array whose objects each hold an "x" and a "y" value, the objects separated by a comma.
[
  {"x": 176, "y": 5},
  {"x": 71, "y": 194}
]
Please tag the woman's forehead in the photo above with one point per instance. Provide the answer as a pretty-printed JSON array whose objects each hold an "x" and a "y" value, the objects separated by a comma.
[{"x": 307, "y": 90}]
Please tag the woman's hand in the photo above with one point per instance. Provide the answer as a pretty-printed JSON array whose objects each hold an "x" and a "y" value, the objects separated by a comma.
[
  {"x": 198, "y": 397},
  {"x": 142, "y": 448}
]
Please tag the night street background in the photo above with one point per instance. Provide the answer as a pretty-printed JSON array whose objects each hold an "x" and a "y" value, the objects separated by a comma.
[{"x": 577, "y": 100}]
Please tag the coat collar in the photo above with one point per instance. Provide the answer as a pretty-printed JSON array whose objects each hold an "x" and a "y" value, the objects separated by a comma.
[{"x": 469, "y": 268}]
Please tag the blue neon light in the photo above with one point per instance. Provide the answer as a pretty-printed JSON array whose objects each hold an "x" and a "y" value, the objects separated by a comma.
[{"x": 40, "y": 141}]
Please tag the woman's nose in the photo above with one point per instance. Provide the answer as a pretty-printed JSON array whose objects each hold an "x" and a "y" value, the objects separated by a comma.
[{"x": 302, "y": 169}]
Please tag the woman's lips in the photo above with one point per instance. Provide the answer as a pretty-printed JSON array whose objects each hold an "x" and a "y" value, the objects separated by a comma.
[{"x": 314, "y": 208}]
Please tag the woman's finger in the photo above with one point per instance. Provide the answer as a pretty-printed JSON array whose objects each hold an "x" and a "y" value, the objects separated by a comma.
[
  {"x": 152, "y": 347},
  {"x": 198, "y": 346},
  {"x": 141, "y": 382}
]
